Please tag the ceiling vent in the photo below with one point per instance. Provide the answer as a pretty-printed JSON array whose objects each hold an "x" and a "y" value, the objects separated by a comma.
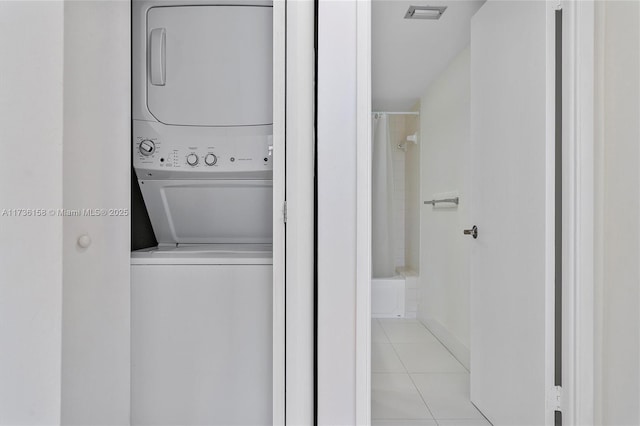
[{"x": 425, "y": 12}]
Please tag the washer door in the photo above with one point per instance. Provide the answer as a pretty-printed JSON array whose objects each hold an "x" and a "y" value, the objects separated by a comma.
[
  {"x": 210, "y": 211},
  {"x": 210, "y": 65}
]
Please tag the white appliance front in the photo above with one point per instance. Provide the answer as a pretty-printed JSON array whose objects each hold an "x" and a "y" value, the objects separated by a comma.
[
  {"x": 201, "y": 330},
  {"x": 189, "y": 152},
  {"x": 201, "y": 339},
  {"x": 205, "y": 254},
  {"x": 210, "y": 211},
  {"x": 202, "y": 118},
  {"x": 210, "y": 65}
]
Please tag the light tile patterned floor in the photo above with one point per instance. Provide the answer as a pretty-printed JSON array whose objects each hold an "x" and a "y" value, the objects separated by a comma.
[{"x": 415, "y": 381}]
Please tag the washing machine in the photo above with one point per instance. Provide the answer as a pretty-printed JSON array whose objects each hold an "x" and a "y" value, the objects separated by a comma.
[
  {"x": 201, "y": 301},
  {"x": 201, "y": 335}
]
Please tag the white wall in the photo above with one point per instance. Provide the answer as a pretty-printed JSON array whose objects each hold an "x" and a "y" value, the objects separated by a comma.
[
  {"x": 31, "y": 45},
  {"x": 97, "y": 147},
  {"x": 444, "y": 250},
  {"x": 336, "y": 245},
  {"x": 617, "y": 212}
]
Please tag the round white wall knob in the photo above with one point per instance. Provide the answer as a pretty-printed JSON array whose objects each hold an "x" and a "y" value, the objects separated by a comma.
[{"x": 84, "y": 241}]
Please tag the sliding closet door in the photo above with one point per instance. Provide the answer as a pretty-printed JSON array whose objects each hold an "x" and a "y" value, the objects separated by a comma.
[
  {"x": 31, "y": 70},
  {"x": 96, "y": 241}
]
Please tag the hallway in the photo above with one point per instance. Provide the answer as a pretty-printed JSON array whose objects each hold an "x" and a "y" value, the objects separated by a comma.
[{"x": 415, "y": 379}]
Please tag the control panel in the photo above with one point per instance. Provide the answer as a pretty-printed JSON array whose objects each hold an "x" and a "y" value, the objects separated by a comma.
[{"x": 184, "y": 152}]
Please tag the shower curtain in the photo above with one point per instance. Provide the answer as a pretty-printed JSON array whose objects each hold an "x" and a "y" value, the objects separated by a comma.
[{"x": 382, "y": 250}]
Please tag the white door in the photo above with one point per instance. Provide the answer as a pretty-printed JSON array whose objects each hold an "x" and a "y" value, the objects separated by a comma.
[
  {"x": 231, "y": 47},
  {"x": 96, "y": 242},
  {"x": 512, "y": 267}
]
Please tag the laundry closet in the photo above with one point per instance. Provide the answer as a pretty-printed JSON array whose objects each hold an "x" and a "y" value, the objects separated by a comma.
[{"x": 202, "y": 151}]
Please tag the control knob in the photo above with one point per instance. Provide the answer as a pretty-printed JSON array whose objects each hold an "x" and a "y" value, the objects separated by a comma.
[
  {"x": 147, "y": 147},
  {"x": 192, "y": 159},
  {"x": 210, "y": 159}
]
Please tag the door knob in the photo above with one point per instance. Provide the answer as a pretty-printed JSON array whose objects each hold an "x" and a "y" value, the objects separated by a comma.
[
  {"x": 473, "y": 232},
  {"x": 84, "y": 241}
]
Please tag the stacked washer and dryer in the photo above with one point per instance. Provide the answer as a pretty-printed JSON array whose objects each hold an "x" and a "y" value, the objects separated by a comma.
[{"x": 202, "y": 152}]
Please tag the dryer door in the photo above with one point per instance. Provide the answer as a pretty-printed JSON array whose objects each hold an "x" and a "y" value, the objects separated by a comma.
[{"x": 210, "y": 65}]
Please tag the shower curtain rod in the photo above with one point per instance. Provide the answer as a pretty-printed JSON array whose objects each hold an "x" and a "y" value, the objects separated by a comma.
[{"x": 396, "y": 113}]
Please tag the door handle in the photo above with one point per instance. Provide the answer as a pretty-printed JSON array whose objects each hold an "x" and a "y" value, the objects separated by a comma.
[
  {"x": 473, "y": 232},
  {"x": 157, "y": 60},
  {"x": 84, "y": 241}
]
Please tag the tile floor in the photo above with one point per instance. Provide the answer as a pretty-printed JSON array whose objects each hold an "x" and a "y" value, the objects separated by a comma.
[{"x": 415, "y": 379}]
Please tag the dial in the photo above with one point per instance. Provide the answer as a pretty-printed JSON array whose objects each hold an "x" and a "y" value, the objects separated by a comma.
[
  {"x": 147, "y": 147},
  {"x": 192, "y": 159},
  {"x": 210, "y": 159}
]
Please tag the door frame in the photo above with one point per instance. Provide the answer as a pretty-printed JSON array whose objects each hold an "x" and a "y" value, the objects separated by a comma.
[
  {"x": 578, "y": 326},
  {"x": 293, "y": 212},
  {"x": 279, "y": 235},
  {"x": 363, "y": 212},
  {"x": 578, "y": 307}
]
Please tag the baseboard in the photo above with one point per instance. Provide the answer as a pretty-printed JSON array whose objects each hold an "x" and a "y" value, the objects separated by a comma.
[{"x": 451, "y": 342}]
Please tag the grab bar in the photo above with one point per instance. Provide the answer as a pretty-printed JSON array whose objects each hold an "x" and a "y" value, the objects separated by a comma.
[{"x": 455, "y": 201}]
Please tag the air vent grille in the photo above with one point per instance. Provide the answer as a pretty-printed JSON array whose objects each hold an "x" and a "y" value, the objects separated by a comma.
[{"x": 425, "y": 12}]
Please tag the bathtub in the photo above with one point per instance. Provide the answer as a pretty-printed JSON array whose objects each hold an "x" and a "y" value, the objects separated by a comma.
[{"x": 395, "y": 297}]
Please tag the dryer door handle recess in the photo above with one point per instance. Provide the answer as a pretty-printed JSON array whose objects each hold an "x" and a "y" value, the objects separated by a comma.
[{"x": 157, "y": 60}]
